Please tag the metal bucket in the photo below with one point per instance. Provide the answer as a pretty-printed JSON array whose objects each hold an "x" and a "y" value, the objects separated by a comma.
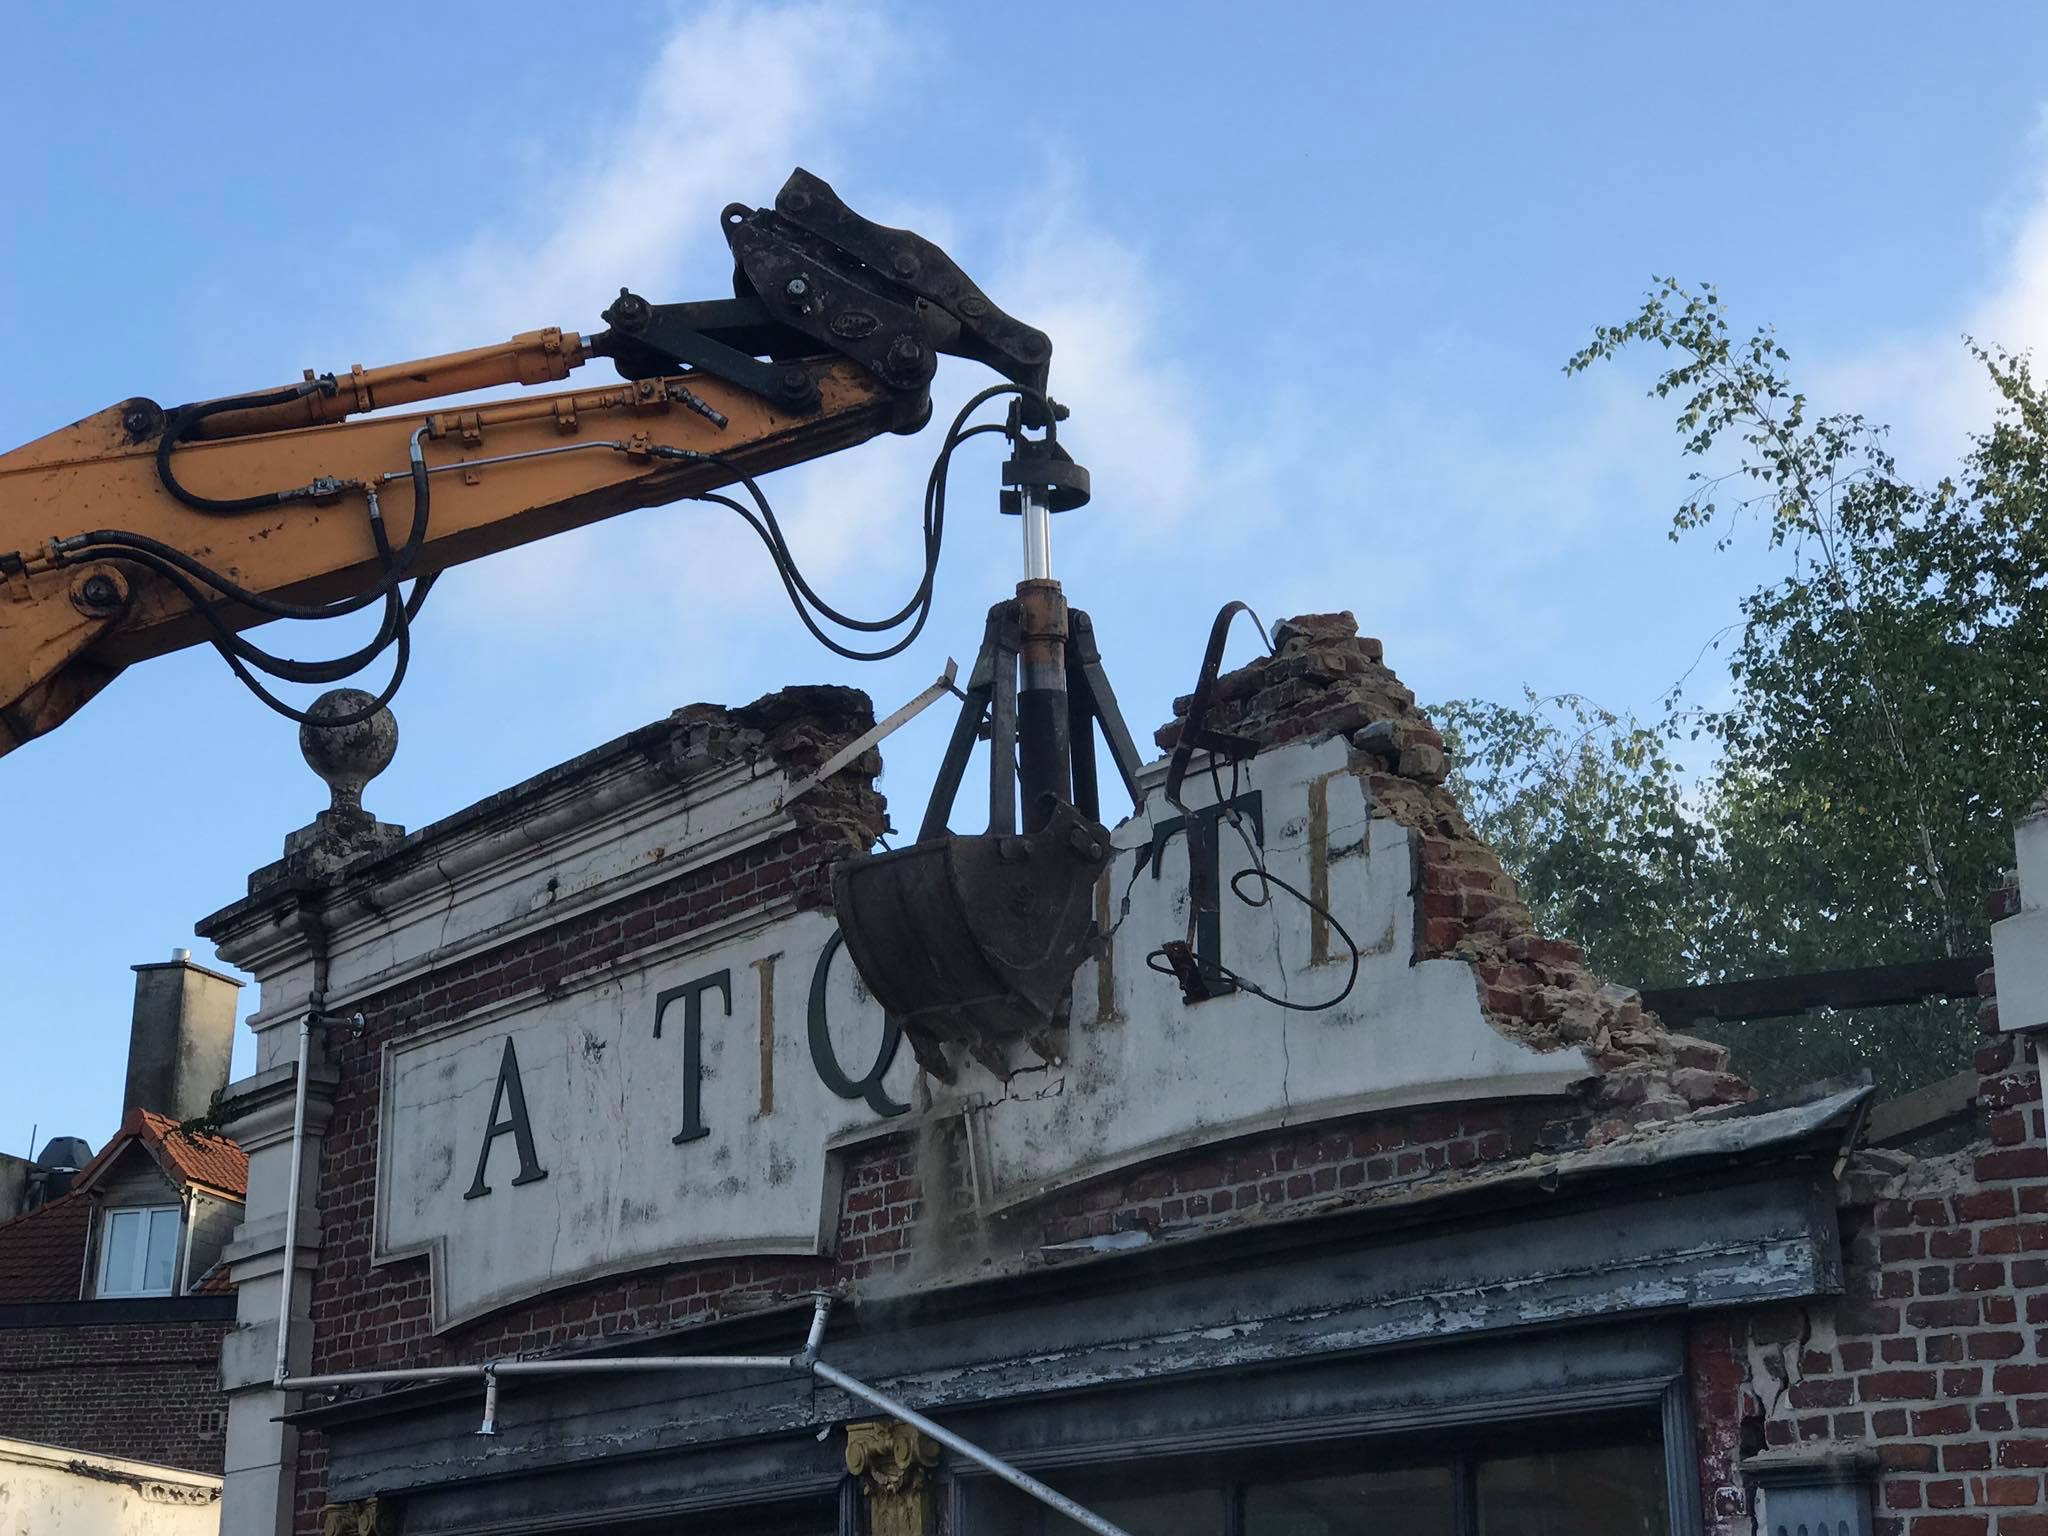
[{"x": 974, "y": 938}]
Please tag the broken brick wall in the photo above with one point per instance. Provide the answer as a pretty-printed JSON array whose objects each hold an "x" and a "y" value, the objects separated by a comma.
[
  {"x": 1936, "y": 1355},
  {"x": 1324, "y": 679}
]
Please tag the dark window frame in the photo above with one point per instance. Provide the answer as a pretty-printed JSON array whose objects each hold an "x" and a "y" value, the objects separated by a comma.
[{"x": 1667, "y": 1409}]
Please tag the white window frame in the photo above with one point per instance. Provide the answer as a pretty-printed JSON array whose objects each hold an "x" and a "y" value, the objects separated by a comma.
[{"x": 111, "y": 1286}]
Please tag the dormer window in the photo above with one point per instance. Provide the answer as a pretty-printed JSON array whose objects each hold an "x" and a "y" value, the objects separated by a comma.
[{"x": 139, "y": 1251}]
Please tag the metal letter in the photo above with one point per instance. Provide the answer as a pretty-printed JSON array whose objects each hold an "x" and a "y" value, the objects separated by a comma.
[
  {"x": 765, "y": 969},
  {"x": 826, "y": 1060},
  {"x": 1205, "y": 863},
  {"x": 507, "y": 1092},
  {"x": 692, "y": 994}
]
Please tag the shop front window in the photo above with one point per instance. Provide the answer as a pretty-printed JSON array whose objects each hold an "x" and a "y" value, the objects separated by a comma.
[
  {"x": 1588, "y": 1480},
  {"x": 1615, "y": 1490},
  {"x": 1419, "y": 1501}
]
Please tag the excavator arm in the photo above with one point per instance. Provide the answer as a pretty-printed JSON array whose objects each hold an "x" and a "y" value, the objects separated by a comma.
[{"x": 138, "y": 531}]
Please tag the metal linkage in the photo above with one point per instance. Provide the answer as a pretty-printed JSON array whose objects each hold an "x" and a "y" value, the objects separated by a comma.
[{"x": 805, "y": 1361}]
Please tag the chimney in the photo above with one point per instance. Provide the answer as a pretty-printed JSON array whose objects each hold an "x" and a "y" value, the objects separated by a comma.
[{"x": 182, "y": 1037}]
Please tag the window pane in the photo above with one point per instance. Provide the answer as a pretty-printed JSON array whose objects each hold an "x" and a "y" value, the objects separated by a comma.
[
  {"x": 163, "y": 1252},
  {"x": 1146, "y": 1500},
  {"x": 1409, "y": 1501},
  {"x": 1162, "y": 1512},
  {"x": 120, "y": 1264},
  {"x": 1610, "y": 1491}
]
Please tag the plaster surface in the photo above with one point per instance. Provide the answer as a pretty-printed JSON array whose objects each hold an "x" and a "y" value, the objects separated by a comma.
[
  {"x": 1154, "y": 1074},
  {"x": 606, "y": 1096},
  {"x": 49, "y": 1491}
]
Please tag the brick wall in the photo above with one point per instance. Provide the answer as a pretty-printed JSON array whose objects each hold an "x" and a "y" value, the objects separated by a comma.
[
  {"x": 1936, "y": 1354},
  {"x": 148, "y": 1391}
]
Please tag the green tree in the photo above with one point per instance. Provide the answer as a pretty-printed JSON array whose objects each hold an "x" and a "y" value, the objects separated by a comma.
[
  {"x": 1588, "y": 811},
  {"x": 1889, "y": 718}
]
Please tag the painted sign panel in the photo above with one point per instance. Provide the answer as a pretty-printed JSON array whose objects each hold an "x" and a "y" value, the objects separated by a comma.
[
  {"x": 682, "y": 1110},
  {"x": 689, "y": 1102},
  {"x": 1150, "y": 1074}
]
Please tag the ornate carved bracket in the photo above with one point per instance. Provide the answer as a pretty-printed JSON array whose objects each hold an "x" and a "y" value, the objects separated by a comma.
[
  {"x": 893, "y": 1462},
  {"x": 365, "y": 1517}
]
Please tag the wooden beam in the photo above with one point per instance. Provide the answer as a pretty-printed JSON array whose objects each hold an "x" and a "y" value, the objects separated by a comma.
[
  {"x": 1923, "y": 1109},
  {"x": 1780, "y": 997}
]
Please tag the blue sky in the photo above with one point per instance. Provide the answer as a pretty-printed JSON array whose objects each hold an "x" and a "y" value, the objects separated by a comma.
[{"x": 1310, "y": 272}]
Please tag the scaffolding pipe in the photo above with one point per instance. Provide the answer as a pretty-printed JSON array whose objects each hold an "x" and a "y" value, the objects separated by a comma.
[
  {"x": 804, "y": 1362},
  {"x": 1052, "y": 1498}
]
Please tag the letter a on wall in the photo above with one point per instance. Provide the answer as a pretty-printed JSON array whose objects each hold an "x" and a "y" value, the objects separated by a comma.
[{"x": 513, "y": 1098}]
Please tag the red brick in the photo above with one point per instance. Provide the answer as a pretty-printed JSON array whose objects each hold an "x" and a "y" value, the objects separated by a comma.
[
  {"x": 1896, "y": 1386},
  {"x": 1949, "y": 1419},
  {"x": 1955, "y": 1243},
  {"x": 2008, "y": 1491},
  {"x": 2023, "y": 1453},
  {"x": 1956, "y": 1312},
  {"x": 1822, "y": 1392},
  {"x": 1984, "y": 1205},
  {"x": 1898, "y": 1457},
  {"x": 2012, "y": 1163},
  {"x": 1996, "y": 1346}
]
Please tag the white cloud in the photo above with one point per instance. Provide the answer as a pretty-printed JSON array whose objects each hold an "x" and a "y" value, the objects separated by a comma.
[
  {"x": 731, "y": 99},
  {"x": 728, "y": 102},
  {"x": 1925, "y": 384}
]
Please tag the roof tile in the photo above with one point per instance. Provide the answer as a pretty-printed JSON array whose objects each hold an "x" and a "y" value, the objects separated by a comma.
[
  {"x": 41, "y": 1252},
  {"x": 213, "y": 1161}
]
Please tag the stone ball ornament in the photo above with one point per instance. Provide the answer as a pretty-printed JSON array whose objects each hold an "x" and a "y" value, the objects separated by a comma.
[{"x": 347, "y": 757}]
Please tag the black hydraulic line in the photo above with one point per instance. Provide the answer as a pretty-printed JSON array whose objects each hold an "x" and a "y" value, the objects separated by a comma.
[
  {"x": 186, "y": 418},
  {"x": 804, "y": 598},
  {"x": 190, "y": 575}
]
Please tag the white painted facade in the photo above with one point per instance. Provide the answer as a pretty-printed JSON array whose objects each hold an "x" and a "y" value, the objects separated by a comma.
[
  {"x": 619, "y": 1173},
  {"x": 46, "y": 1490},
  {"x": 1151, "y": 1075},
  {"x": 2019, "y": 944},
  {"x": 604, "y": 1073}
]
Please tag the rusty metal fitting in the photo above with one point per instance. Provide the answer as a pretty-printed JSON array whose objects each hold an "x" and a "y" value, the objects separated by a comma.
[{"x": 1042, "y": 615}]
